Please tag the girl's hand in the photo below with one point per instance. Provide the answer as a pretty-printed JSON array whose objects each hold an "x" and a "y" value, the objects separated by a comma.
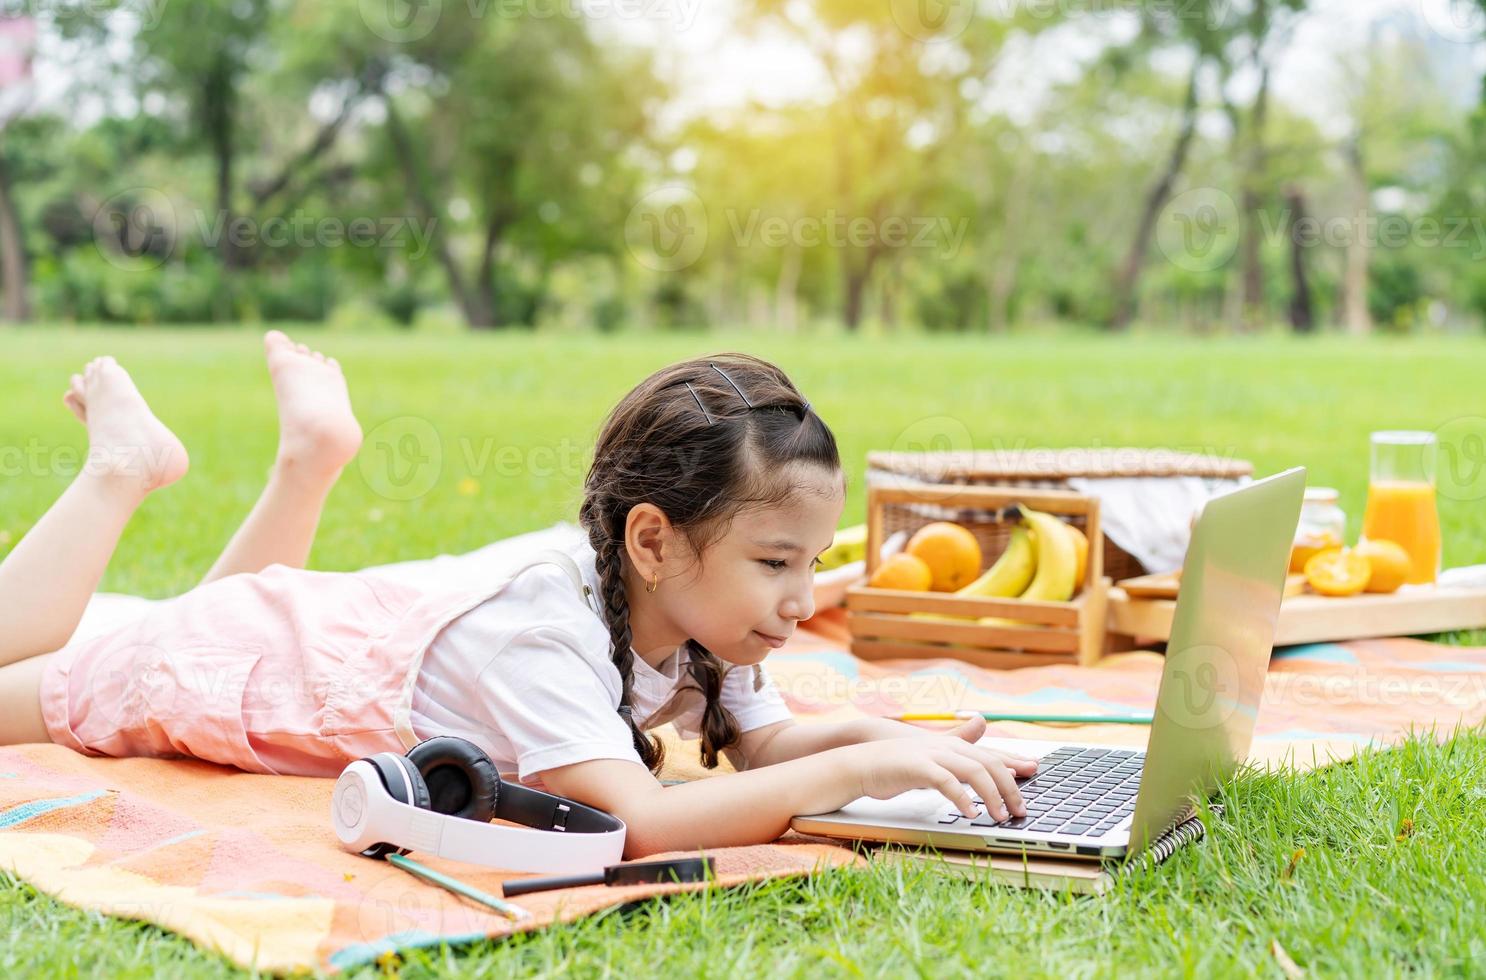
[{"x": 944, "y": 762}]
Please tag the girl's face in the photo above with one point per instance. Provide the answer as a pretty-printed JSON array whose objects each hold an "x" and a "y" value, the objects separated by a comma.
[{"x": 755, "y": 583}]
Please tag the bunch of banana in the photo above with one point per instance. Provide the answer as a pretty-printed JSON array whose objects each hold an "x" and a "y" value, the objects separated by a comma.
[
  {"x": 849, "y": 545},
  {"x": 1061, "y": 554},
  {"x": 1044, "y": 560}
]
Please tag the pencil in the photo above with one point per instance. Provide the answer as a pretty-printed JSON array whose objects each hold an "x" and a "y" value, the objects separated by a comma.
[
  {"x": 1035, "y": 719},
  {"x": 508, "y": 909}
]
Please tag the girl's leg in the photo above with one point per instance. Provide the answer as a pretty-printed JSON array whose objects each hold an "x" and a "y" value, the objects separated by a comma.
[
  {"x": 20, "y": 702},
  {"x": 318, "y": 436},
  {"x": 46, "y": 581}
]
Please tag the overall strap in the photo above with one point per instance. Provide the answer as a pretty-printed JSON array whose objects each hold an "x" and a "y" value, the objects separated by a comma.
[{"x": 565, "y": 561}]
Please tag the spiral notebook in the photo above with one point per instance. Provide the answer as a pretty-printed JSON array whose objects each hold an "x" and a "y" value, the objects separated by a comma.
[{"x": 1039, "y": 871}]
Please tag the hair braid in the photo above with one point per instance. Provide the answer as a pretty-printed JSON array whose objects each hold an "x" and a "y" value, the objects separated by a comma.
[
  {"x": 719, "y": 726},
  {"x": 610, "y": 570}
]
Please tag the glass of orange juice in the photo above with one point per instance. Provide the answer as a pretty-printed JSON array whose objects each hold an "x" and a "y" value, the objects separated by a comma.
[{"x": 1401, "y": 500}]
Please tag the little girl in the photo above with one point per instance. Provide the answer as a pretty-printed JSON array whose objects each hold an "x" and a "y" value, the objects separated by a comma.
[{"x": 714, "y": 487}]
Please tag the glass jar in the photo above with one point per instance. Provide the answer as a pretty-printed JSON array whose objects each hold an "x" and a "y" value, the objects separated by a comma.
[
  {"x": 1323, "y": 525},
  {"x": 1401, "y": 503}
]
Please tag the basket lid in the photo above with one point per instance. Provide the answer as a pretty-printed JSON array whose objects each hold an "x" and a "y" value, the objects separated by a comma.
[{"x": 1056, "y": 463}]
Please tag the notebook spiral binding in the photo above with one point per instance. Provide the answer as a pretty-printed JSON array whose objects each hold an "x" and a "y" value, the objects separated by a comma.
[{"x": 1188, "y": 830}]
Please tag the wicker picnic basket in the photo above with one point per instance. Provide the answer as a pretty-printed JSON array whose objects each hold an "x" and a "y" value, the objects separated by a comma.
[{"x": 1035, "y": 469}]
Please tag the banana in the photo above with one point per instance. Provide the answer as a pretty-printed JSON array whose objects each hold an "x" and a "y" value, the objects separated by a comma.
[
  {"x": 1057, "y": 561},
  {"x": 1008, "y": 577},
  {"x": 849, "y": 545},
  {"x": 1081, "y": 548}
]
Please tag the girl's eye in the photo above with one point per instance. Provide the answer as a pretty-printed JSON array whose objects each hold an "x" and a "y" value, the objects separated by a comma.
[{"x": 777, "y": 564}]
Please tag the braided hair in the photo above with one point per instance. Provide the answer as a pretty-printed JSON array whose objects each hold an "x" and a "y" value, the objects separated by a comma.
[{"x": 701, "y": 440}]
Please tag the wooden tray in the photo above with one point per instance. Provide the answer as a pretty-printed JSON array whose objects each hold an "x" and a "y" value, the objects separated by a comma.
[
  {"x": 1164, "y": 585},
  {"x": 1055, "y": 632},
  {"x": 1311, "y": 618}
]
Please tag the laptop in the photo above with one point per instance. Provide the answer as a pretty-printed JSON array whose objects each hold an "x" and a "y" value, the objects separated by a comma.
[{"x": 1098, "y": 802}]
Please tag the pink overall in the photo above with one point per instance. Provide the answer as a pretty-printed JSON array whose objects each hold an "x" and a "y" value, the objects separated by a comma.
[{"x": 283, "y": 671}]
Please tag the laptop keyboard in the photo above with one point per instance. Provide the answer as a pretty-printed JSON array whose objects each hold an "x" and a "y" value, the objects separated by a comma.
[{"x": 1075, "y": 791}]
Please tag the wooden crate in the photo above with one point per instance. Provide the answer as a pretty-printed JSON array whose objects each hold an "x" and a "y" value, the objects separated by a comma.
[
  {"x": 1052, "y": 469},
  {"x": 1056, "y": 632},
  {"x": 1311, "y": 618}
]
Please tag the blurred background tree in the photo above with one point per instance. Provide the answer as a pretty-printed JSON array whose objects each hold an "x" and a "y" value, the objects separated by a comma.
[{"x": 956, "y": 166}]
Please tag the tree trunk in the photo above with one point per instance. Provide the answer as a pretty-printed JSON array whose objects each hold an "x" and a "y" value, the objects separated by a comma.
[
  {"x": 217, "y": 108},
  {"x": 1256, "y": 161},
  {"x": 1007, "y": 257},
  {"x": 14, "y": 274},
  {"x": 888, "y": 296},
  {"x": 854, "y": 288},
  {"x": 1302, "y": 316},
  {"x": 488, "y": 306},
  {"x": 471, "y": 304},
  {"x": 1128, "y": 278},
  {"x": 1356, "y": 316},
  {"x": 786, "y": 290}
]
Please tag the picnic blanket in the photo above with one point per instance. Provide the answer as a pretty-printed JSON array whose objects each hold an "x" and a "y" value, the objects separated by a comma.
[{"x": 248, "y": 865}]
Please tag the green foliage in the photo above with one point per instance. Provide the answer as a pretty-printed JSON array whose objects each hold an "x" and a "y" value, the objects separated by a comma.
[{"x": 502, "y": 156}]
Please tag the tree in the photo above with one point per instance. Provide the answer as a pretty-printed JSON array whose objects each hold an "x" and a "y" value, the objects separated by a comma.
[
  {"x": 896, "y": 102},
  {"x": 507, "y": 134}
]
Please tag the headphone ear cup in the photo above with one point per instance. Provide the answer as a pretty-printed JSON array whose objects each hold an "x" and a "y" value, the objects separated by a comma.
[
  {"x": 399, "y": 776},
  {"x": 461, "y": 780}
]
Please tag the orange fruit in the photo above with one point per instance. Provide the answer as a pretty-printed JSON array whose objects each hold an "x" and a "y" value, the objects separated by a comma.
[
  {"x": 1390, "y": 564},
  {"x": 1338, "y": 572},
  {"x": 902, "y": 571},
  {"x": 950, "y": 551},
  {"x": 1309, "y": 545}
]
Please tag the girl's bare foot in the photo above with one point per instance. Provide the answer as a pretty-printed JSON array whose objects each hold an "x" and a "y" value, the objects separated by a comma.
[
  {"x": 127, "y": 445},
  {"x": 318, "y": 432}
]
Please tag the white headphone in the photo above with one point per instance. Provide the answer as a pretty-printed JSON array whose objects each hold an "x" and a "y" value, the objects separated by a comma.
[{"x": 440, "y": 798}]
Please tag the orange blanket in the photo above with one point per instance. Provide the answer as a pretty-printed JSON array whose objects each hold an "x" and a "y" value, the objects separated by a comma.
[{"x": 248, "y": 865}]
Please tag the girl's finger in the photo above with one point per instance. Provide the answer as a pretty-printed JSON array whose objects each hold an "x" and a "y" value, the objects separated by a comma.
[
  {"x": 1003, "y": 778},
  {"x": 971, "y": 771},
  {"x": 949, "y": 784}
]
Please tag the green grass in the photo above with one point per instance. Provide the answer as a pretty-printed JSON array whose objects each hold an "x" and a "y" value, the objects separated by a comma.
[{"x": 515, "y": 419}]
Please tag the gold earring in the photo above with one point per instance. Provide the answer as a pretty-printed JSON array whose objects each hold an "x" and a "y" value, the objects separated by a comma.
[{"x": 654, "y": 583}]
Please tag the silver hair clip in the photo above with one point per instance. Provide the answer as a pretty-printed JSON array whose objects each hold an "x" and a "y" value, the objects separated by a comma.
[
  {"x": 694, "y": 394},
  {"x": 731, "y": 382},
  {"x": 708, "y": 415}
]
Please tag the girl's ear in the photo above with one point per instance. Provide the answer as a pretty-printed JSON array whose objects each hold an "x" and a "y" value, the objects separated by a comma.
[{"x": 646, "y": 529}]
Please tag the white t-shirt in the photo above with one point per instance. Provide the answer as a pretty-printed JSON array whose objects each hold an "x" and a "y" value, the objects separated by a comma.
[{"x": 526, "y": 675}]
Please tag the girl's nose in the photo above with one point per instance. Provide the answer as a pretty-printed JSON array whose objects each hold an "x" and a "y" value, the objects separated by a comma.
[{"x": 799, "y": 607}]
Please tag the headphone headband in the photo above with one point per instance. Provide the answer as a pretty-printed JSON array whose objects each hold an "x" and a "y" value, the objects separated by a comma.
[{"x": 557, "y": 835}]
